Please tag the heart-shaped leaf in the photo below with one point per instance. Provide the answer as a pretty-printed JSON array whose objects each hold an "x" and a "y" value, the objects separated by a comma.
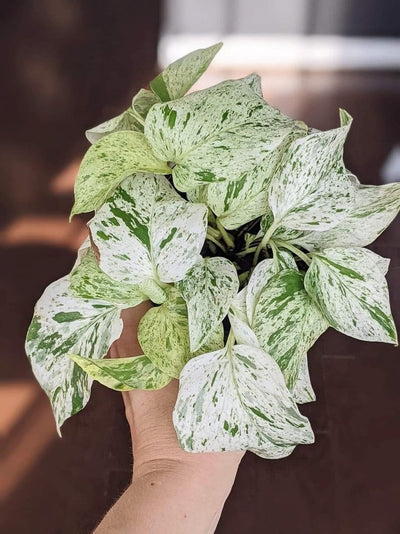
[
  {"x": 123, "y": 374},
  {"x": 107, "y": 163},
  {"x": 311, "y": 189},
  {"x": 63, "y": 324},
  {"x": 287, "y": 322},
  {"x": 222, "y": 133},
  {"x": 124, "y": 121},
  {"x": 145, "y": 231},
  {"x": 208, "y": 289},
  {"x": 236, "y": 399},
  {"x": 163, "y": 334},
  {"x": 374, "y": 209},
  {"x": 88, "y": 281},
  {"x": 179, "y": 77},
  {"x": 350, "y": 288}
]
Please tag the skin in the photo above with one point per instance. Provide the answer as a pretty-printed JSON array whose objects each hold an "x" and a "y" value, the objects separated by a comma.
[{"x": 172, "y": 491}]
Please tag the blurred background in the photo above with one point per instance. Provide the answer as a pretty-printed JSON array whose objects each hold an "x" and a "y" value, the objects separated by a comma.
[{"x": 68, "y": 65}]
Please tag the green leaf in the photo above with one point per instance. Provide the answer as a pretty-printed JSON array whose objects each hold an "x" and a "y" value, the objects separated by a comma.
[
  {"x": 208, "y": 289},
  {"x": 311, "y": 189},
  {"x": 122, "y": 122},
  {"x": 88, "y": 281},
  {"x": 287, "y": 322},
  {"x": 303, "y": 391},
  {"x": 107, "y": 163},
  {"x": 123, "y": 374},
  {"x": 222, "y": 133},
  {"x": 63, "y": 324},
  {"x": 179, "y": 77},
  {"x": 350, "y": 288},
  {"x": 374, "y": 209},
  {"x": 163, "y": 334},
  {"x": 236, "y": 399},
  {"x": 146, "y": 231}
]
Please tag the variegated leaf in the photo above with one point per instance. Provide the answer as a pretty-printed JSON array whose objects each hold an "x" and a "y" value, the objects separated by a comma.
[
  {"x": 146, "y": 231},
  {"x": 281, "y": 232},
  {"x": 63, "y": 324},
  {"x": 208, "y": 289},
  {"x": 284, "y": 259},
  {"x": 253, "y": 80},
  {"x": 350, "y": 288},
  {"x": 214, "y": 341},
  {"x": 303, "y": 391},
  {"x": 107, "y": 163},
  {"x": 123, "y": 374},
  {"x": 242, "y": 331},
  {"x": 236, "y": 399},
  {"x": 163, "y": 335},
  {"x": 88, "y": 281},
  {"x": 262, "y": 273},
  {"x": 179, "y": 77},
  {"x": 221, "y": 133},
  {"x": 374, "y": 209},
  {"x": 311, "y": 189},
  {"x": 287, "y": 322},
  {"x": 124, "y": 121},
  {"x": 143, "y": 101}
]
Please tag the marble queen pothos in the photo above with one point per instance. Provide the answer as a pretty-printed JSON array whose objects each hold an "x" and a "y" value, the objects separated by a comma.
[{"x": 245, "y": 230}]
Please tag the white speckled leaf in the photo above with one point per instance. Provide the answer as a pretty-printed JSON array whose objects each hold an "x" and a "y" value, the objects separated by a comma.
[
  {"x": 64, "y": 324},
  {"x": 208, "y": 289},
  {"x": 143, "y": 101},
  {"x": 282, "y": 232},
  {"x": 146, "y": 231},
  {"x": 311, "y": 188},
  {"x": 253, "y": 80},
  {"x": 214, "y": 341},
  {"x": 88, "y": 281},
  {"x": 107, "y": 163},
  {"x": 238, "y": 304},
  {"x": 284, "y": 259},
  {"x": 179, "y": 77},
  {"x": 236, "y": 399},
  {"x": 241, "y": 330},
  {"x": 374, "y": 209},
  {"x": 351, "y": 290},
  {"x": 262, "y": 273},
  {"x": 303, "y": 391},
  {"x": 178, "y": 233},
  {"x": 287, "y": 322},
  {"x": 124, "y": 121},
  {"x": 163, "y": 334},
  {"x": 123, "y": 374},
  {"x": 221, "y": 133}
]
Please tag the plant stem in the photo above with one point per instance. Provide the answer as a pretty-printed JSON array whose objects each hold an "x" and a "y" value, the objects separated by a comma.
[
  {"x": 243, "y": 276},
  {"x": 225, "y": 236},
  {"x": 231, "y": 339},
  {"x": 217, "y": 243},
  {"x": 264, "y": 241},
  {"x": 215, "y": 233},
  {"x": 302, "y": 255},
  {"x": 246, "y": 251}
]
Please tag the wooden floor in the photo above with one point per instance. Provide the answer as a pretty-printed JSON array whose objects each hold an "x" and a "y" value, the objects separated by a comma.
[{"x": 348, "y": 482}]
